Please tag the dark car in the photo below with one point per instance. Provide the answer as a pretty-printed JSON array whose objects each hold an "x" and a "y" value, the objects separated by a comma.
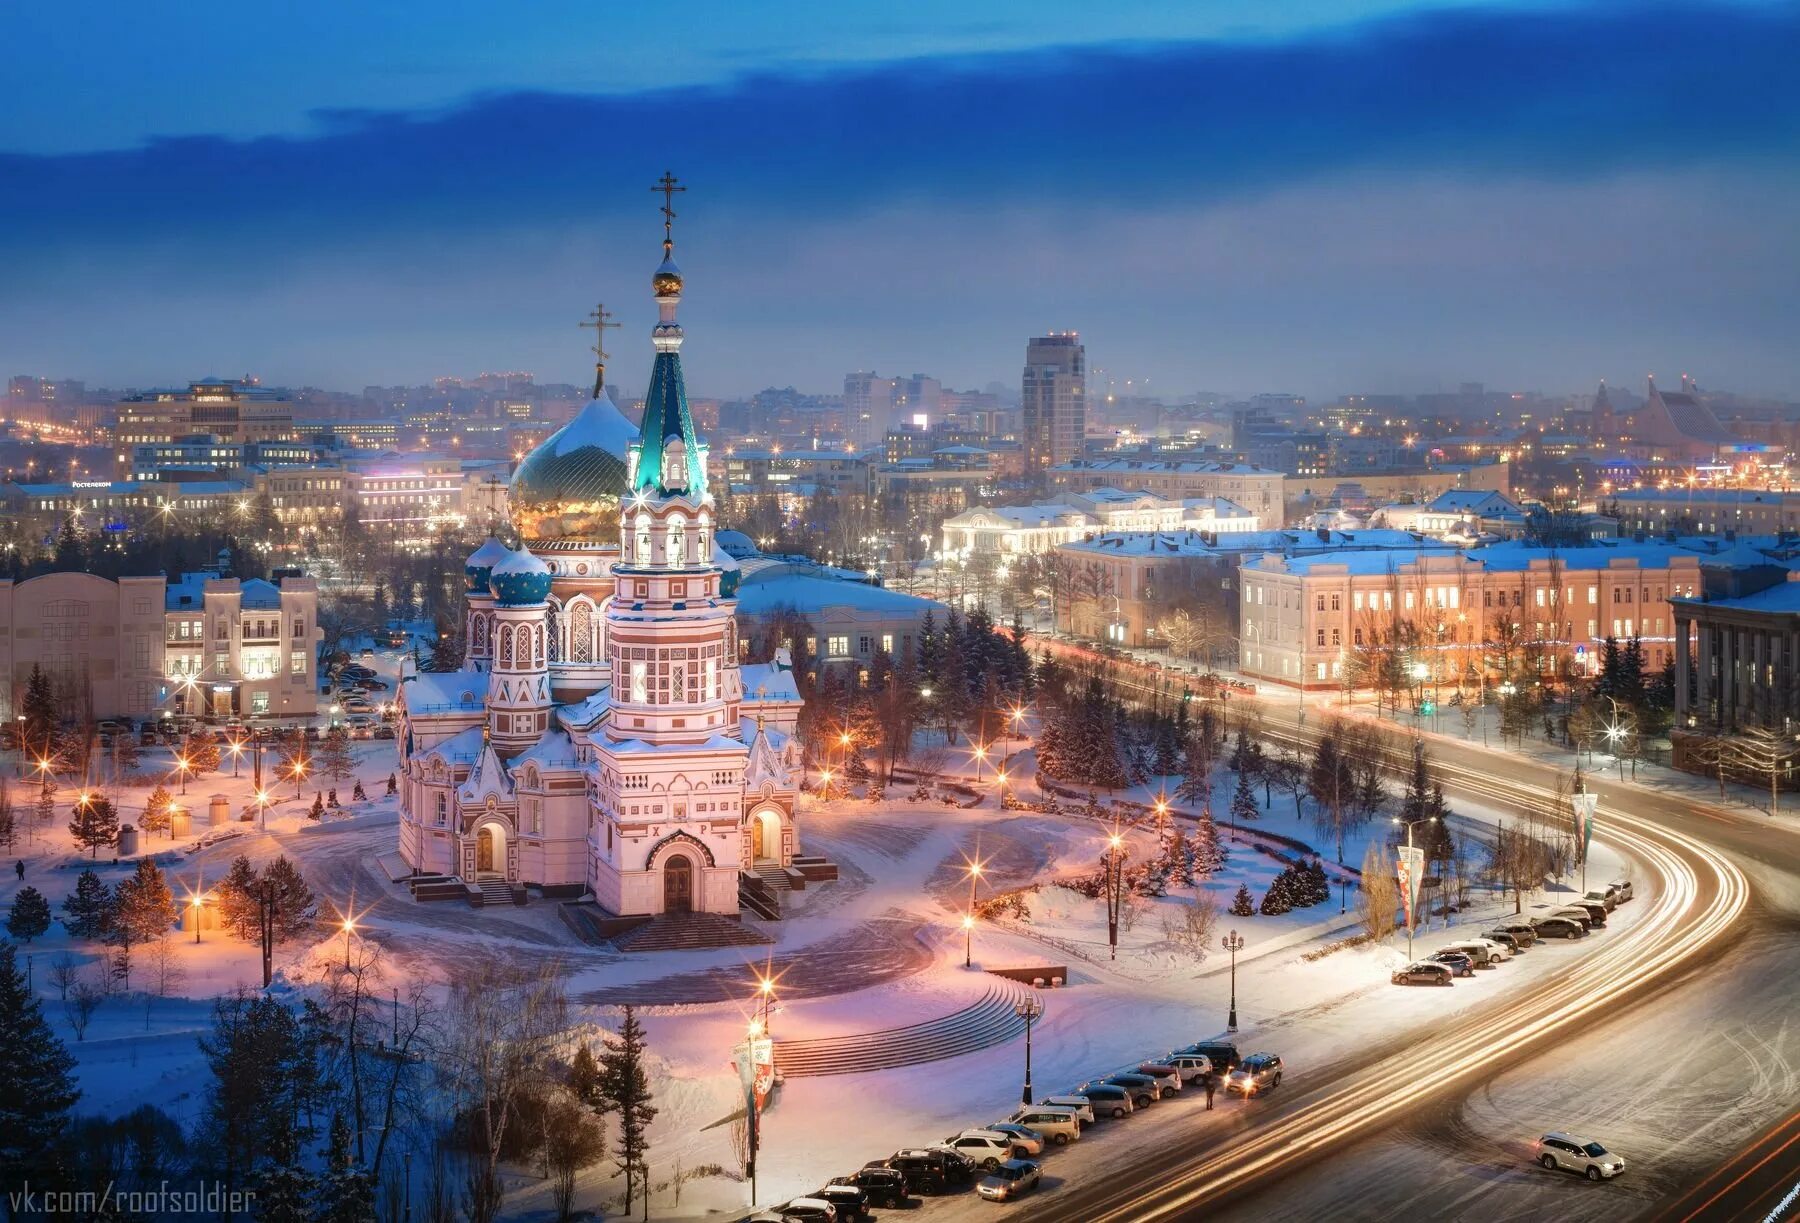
[
  {"x": 1224, "y": 1054},
  {"x": 1596, "y": 911},
  {"x": 850, "y": 1201},
  {"x": 1558, "y": 927},
  {"x": 933, "y": 1171},
  {"x": 1507, "y": 939},
  {"x": 883, "y": 1186},
  {"x": 1456, "y": 962},
  {"x": 1144, "y": 1090},
  {"x": 1107, "y": 1100}
]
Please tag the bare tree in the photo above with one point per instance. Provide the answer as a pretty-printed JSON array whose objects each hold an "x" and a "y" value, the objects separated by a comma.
[
  {"x": 85, "y": 997},
  {"x": 1189, "y": 925},
  {"x": 1767, "y": 755},
  {"x": 65, "y": 970},
  {"x": 1379, "y": 895},
  {"x": 573, "y": 1139}
]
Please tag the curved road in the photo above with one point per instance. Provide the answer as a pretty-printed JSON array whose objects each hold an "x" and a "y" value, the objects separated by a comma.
[{"x": 1193, "y": 1163}]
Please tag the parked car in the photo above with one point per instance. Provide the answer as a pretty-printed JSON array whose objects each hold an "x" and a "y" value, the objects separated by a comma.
[
  {"x": 1514, "y": 943},
  {"x": 929, "y": 1171},
  {"x": 809, "y": 1210},
  {"x": 1167, "y": 1077},
  {"x": 1081, "y": 1106},
  {"x": 1596, "y": 911},
  {"x": 384, "y": 732},
  {"x": 1580, "y": 913},
  {"x": 1519, "y": 928},
  {"x": 1107, "y": 1101},
  {"x": 1193, "y": 1066},
  {"x": 1224, "y": 1054},
  {"x": 1558, "y": 927},
  {"x": 985, "y": 1147},
  {"x": 1455, "y": 961},
  {"x": 1026, "y": 1139},
  {"x": 1607, "y": 897},
  {"x": 1058, "y": 1125},
  {"x": 851, "y": 1202},
  {"x": 1623, "y": 888},
  {"x": 1011, "y": 1179},
  {"x": 1572, "y": 1154},
  {"x": 1481, "y": 953},
  {"x": 1144, "y": 1090},
  {"x": 1423, "y": 972},
  {"x": 881, "y": 1185},
  {"x": 1258, "y": 1072}
]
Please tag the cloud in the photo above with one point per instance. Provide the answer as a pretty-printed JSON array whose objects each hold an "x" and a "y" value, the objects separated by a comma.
[{"x": 1570, "y": 94}]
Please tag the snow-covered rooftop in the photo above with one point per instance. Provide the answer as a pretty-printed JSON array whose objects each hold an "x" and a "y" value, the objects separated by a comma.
[{"x": 770, "y": 594}]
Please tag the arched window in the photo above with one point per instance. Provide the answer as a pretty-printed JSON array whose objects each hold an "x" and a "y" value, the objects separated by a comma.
[
  {"x": 506, "y": 646},
  {"x": 677, "y": 538},
  {"x": 643, "y": 539},
  {"x": 702, "y": 550},
  {"x": 581, "y": 632},
  {"x": 553, "y": 630},
  {"x": 537, "y": 640}
]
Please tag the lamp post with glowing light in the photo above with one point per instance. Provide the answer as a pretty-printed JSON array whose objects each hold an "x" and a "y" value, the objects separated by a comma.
[
  {"x": 1030, "y": 1009},
  {"x": 980, "y": 759},
  {"x": 236, "y": 747},
  {"x": 1233, "y": 942},
  {"x": 183, "y": 766},
  {"x": 1113, "y": 876},
  {"x": 349, "y": 924},
  {"x": 968, "y": 921},
  {"x": 198, "y": 901}
]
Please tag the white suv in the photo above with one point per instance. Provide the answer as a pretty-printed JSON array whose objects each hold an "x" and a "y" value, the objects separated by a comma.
[
  {"x": 1572, "y": 1154},
  {"x": 987, "y": 1148}
]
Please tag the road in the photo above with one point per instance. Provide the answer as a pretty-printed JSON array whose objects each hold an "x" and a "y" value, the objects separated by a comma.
[{"x": 1439, "y": 1127}]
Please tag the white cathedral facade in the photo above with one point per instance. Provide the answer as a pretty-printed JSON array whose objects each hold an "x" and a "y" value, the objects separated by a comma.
[{"x": 602, "y": 738}]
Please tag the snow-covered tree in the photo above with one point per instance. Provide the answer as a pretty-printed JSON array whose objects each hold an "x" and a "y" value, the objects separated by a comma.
[
  {"x": 39, "y": 1077},
  {"x": 29, "y": 915},
  {"x": 89, "y": 908},
  {"x": 1243, "y": 904}
]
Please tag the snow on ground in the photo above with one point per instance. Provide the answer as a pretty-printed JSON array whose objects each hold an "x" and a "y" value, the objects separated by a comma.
[{"x": 880, "y": 948}]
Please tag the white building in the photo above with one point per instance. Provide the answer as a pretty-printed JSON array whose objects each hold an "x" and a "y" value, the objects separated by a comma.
[
  {"x": 603, "y": 738},
  {"x": 1024, "y": 530}
]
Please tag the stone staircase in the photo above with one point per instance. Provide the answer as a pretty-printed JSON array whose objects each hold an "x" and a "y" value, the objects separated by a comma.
[
  {"x": 496, "y": 892},
  {"x": 988, "y": 1021},
  {"x": 778, "y": 878},
  {"x": 757, "y": 895},
  {"x": 689, "y": 932}
]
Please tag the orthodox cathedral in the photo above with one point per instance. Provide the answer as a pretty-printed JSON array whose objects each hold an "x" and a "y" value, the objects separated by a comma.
[{"x": 602, "y": 738}]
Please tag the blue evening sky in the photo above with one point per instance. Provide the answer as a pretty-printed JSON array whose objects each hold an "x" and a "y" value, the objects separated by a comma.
[{"x": 1319, "y": 196}]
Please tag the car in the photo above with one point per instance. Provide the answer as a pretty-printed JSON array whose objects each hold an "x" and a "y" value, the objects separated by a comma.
[
  {"x": 1223, "y": 1054},
  {"x": 1558, "y": 927},
  {"x": 1423, "y": 972},
  {"x": 763, "y": 1216},
  {"x": 1606, "y": 897},
  {"x": 1193, "y": 1066},
  {"x": 809, "y": 1210},
  {"x": 985, "y": 1147},
  {"x": 851, "y": 1202},
  {"x": 1011, "y": 1179},
  {"x": 1481, "y": 952},
  {"x": 1623, "y": 888},
  {"x": 1580, "y": 913},
  {"x": 1519, "y": 928},
  {"x": 1571, "y": 1154},
  {"x": 1515, "y": 944},
  {"x": 1167, "y": 1077},
  {"x": 1455, "y": 961},
  {"x": 1058, "y": 1125},
  {"x": 1144, "y": 1089},
  {"x": 1081, "y": 1106},
  {"x": 1258, "y": 1072},
  {"x": 1596, "y": 911},
  {"x": 1108, "y": 1101},
  {"x": 927, "y": 1170},
  {"x": 110, "y": 727},
  {"x": 880, "y": 1184},
  {"x": 384, "y": 732},
  {"x": 1026, "y": 1139}
]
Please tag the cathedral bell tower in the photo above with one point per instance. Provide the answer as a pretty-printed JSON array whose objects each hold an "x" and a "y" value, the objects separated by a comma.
[{"x": 518, "y": 698}]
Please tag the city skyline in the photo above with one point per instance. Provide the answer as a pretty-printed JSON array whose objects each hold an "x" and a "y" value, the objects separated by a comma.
[{"x": 1561, "y": 214}]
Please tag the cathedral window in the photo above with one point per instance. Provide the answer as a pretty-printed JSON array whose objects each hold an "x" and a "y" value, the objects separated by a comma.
[
  {"x": 506, "y": 646},
  {"x": 581, "y": 633},
  {"x": 553, "y": 630},
  {"x": 677, "y": 539},
  {"x": 639, "y": 682},
  {"x": 643, "y": 539}
]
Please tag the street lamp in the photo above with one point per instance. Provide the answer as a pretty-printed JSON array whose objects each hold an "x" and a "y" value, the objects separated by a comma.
[
  {"x": 262, "y": 810},
  {"x": 182, "y": 766},
  {"x": 968, "y": 922},
  {"x": 1412, "y": 867},
  {"x": 968, "y": 925},
  {"x": 1234, "y": 943},
  {"x": 1030, "y": 1010},
  {"x": 1584, "y": 803},
  {"x": 349, "y": 925},
  {"x": 237, "y": 755},
  {"x": 1114, "y": 875},
  {"x": 198, "y": 901},
  {"x": 980, "y": 759},
  {"x": 765, "y": 992}
]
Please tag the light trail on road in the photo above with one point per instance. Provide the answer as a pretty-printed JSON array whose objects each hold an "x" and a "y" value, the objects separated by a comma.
[{"x": 1699, "y": 896}]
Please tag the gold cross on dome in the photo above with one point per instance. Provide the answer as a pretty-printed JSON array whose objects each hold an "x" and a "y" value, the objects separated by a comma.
[
  {"x": 667, "y": 185},
  {"x": 599, "y": 320}
]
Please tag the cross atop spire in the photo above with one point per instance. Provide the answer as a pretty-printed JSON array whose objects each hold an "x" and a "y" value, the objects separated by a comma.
[
  {"x": 599, "y": 321},
  {"x": 667, "y": 184}
]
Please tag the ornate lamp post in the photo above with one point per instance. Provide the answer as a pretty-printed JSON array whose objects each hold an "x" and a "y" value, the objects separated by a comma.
[
  {"x": 968, "y": 921},
  {"x": 1030, "y": 1010},
  {"x": 1234, "y": 943},
  {"x": 237, "y": 755},
  {"x": 1114, "y": 875}
]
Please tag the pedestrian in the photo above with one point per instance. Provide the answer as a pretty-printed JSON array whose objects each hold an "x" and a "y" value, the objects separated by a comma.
[
  {"x": 19, "y": 866},
  {"x": 1211, "y": 1082}
]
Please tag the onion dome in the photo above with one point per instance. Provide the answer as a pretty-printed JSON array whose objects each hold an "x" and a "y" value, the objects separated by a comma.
[
  {"x": 568, "y": 489},
  {"x": 481, "y": 562},
  {"x": 520, "y": 580},
  {"x": 666, "y": 280}
]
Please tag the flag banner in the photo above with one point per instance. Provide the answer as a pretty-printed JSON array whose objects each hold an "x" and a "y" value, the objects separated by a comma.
[{"x": 1411, "y": 866}]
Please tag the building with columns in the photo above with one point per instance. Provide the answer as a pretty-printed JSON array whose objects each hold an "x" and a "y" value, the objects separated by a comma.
[
  {"x": 602, "y": 739},
  {"x": 1743, "y": 657}
]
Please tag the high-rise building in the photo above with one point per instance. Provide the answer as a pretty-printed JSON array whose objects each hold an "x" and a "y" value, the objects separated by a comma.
[
  {"x": 868, "y": 407},
  {"x": 1053, "y": 406}
]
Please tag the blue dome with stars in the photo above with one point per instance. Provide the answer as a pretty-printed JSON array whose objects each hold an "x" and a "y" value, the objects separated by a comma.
[
  {"x": 481, "y": 562},
  {"x": 520, "y": 580}
]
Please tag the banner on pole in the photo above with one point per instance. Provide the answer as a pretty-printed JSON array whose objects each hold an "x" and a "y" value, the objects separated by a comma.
[
  {"x": 1584, "y": 804},
  {"x": 1411, "y": 867}
]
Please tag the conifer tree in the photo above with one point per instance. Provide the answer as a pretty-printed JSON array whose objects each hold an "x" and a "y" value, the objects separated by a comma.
[
  {"x": 292, "y": 898},
  {"x": 1243, "y": 904},
  {"x": 237, "y": 900},
  {"x": 625, "y": 1084},
  {"x": 46, "y": 800},
  {"x": 39, "y": 710},
  {"x": 1209, "y": 855},
  {"x": 89, "y": 908},
  {"x": 1243, "y": 801},
  {"x": 94, "y": 822},
  {"x": 346, "y": 1192},
  {"x": 38, "y": 1072},
  {"x": 29, "y": 915},
  {"x": 585, "y": 1081},
  {"x": 335, "y": 759},
  {"x": 1280, "y": 896},
  {"x": 143, "y": 906},
  {"x": 202, "y": 752},
  {"x": 156, "y": 817}
]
